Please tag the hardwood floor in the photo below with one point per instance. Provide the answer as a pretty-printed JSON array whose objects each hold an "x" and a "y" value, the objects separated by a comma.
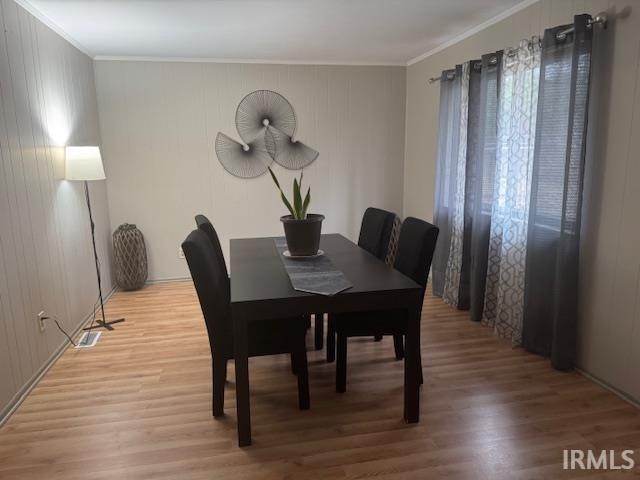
[{"x": 138, "y": 406}]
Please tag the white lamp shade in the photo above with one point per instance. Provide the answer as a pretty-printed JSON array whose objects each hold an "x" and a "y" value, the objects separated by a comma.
[{"x": 83, "y": 163}]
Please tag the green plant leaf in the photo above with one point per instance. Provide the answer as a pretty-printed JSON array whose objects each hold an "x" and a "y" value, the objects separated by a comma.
[
  {"x": 297, "y": 200},
  {"x": 287, "y": 204},
  {"x": 282, "y": 195},
  {"x": 305, "y": 204},
  {"x": 275, "y": 179}
]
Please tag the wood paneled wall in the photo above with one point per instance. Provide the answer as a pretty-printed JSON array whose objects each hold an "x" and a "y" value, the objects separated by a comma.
[
  {"x": 159, "y": 122},
  {"x": 609, "y": 340},
  {"x": 47, "y": 100}
]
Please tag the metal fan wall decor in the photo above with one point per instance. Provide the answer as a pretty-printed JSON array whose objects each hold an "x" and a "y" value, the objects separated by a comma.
[{"x": 266, "y": 123}]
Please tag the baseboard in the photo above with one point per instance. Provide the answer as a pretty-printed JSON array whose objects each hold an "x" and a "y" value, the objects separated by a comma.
[
  {"x": 19, "y": 397},
  {"x": 167, "y": 280},
  {"x": 624, "y": 396}
]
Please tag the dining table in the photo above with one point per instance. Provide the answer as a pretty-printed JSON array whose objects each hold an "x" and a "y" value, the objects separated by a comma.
[{"x": 261, "y": 289}]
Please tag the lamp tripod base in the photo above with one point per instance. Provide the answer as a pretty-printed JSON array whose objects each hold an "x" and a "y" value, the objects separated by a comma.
[{"x": 104, "y": 324}]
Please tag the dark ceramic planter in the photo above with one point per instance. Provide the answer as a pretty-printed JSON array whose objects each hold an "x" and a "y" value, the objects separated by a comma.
[{"x": 303, "y": 236}]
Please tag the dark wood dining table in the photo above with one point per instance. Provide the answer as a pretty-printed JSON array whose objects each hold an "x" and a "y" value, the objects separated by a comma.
[{"x": 261, "y": 289}]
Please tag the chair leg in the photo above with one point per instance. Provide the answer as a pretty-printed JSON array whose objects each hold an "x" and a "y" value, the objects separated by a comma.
[
  {"x": 294, "y": 367},
  {"x": 377, "y": 338},
  {"x": 398, "y": 346},
  {"x": 319, "y": 333},
  {"x": 331, "y": 339},
  {"x": 299, "y": 358},
  {"x": 420, "y": 369},
  {"x": 219, "y": 370},
  {"x": 341, "y": 364}
]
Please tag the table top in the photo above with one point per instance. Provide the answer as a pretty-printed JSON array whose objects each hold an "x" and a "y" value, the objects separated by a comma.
[{"x": 258, "y": 274}]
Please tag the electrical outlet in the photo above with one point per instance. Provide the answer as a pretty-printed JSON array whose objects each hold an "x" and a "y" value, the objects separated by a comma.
[
  {"x": 41, "y": 322},
  {"x": 180, "y": 253}
]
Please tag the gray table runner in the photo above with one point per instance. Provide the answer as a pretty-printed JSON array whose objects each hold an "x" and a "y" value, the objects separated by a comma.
[{"x": 312, "y": 275}]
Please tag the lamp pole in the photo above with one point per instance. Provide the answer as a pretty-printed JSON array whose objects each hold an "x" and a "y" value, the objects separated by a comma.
[{"x": 101, "y": 323}]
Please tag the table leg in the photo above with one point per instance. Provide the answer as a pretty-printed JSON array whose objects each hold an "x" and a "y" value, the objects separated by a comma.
[
  {"x": 411, "y": 366},
  {"x": 241, "y": 356}
]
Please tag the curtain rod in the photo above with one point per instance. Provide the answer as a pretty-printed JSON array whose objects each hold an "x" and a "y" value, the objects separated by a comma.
[{"x": 600, "y": 18}]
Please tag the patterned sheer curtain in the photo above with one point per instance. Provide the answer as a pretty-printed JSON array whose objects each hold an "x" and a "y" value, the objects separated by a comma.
[
  {"x": 517, "y": 111},
  {"x": 550, "y": 315}
]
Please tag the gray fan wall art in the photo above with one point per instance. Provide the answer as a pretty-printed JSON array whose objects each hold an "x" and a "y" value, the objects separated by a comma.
[{"x": 266, "y": 123}]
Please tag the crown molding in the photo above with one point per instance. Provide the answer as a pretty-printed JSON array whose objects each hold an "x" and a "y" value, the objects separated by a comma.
[
  {"x": 37, "y": 13},
  {"x": 472, "y": 31},
  {"x": 127, "y": 58}
]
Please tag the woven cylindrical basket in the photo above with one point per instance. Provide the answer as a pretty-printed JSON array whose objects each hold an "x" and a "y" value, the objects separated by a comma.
[{"x": 130, "y": 256}]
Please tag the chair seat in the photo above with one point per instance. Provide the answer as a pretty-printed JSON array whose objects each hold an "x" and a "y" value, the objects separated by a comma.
[{"x": 362, "y": 324}]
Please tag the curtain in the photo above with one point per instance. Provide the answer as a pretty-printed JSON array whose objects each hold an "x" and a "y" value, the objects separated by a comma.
[
  {"x": 517, "y": 111},
  {"x": 448, "y": 209},
  {"x": 550, "y": 307},
  {"x": 466, "y": 174},
  {"x": 474, "y": 113},
  {"x": 452, "y": 276},
  {"x": 482, "y": 161},
  {"x": 511, "y": 152}
]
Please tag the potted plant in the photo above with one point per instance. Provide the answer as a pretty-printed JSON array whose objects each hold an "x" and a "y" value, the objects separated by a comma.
[{"x": 301, "y": 229}]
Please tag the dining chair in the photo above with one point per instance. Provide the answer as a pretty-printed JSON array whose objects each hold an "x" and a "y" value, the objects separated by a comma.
[
  {"x": 416, "y": 244},
  {"x": 375, "y": 235},
  {"x": 375, "y": 231},
  {"x": 277, "y": 336},
  {"x": 391, "y": 251},
  {"x": 206, "y": 226}
]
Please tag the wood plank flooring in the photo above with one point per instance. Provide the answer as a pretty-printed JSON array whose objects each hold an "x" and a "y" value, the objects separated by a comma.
[{"x": 138, "y": 406}]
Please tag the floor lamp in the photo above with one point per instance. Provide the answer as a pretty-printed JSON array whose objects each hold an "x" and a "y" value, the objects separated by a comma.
[{"x": 85, "y": 164}]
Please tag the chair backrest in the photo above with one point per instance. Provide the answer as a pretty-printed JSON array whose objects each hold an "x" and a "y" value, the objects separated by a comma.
[
  {"x": 393, "y": 241},
  {"x": 206, "y": 226},
  {"x": 212, "y": 286},
  {"x": 415, "y": 249},
  {"x": 375, "y": 231}
]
